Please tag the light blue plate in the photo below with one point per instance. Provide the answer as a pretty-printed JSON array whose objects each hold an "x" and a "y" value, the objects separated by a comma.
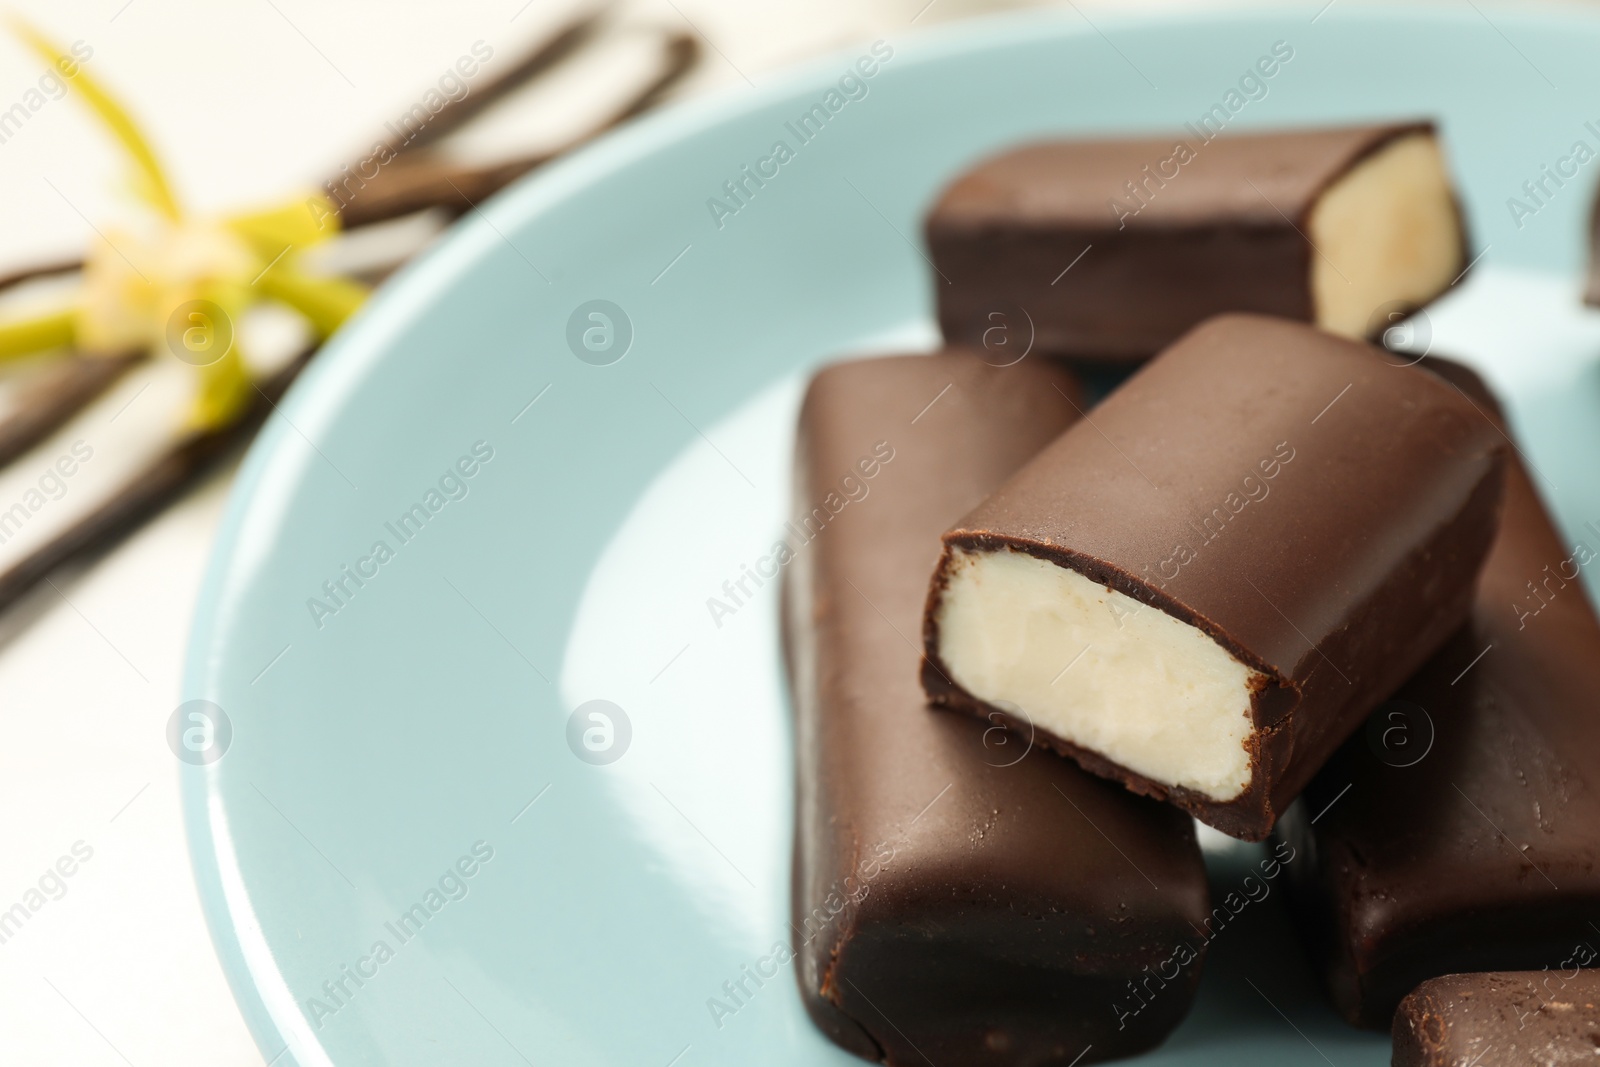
[{"x": 424, "y": 724}]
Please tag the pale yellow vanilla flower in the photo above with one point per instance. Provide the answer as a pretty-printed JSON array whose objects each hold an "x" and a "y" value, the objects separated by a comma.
[{"x": 134, "y": 282}]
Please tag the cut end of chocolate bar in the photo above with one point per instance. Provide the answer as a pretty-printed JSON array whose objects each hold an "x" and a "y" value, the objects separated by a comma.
[
  {"x": 1098, "y": 669},
  {"x": 1347, "y": 228},
  {"x": 1137, "y": 595},
  {"x": 1388, "y": 234}
]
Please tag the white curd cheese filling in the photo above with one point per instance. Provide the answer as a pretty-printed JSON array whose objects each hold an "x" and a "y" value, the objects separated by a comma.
[
  {"x": 1385, "y": 233},
  {"x": 1099, "y": 669}
]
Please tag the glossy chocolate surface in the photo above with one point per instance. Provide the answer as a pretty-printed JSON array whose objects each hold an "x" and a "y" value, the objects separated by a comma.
[
  {"x": 1317, "y": 510},
  {"x": 1224, "y": 231},
  {"x": 958, "y": 897},
  {"x": 1467, "y": 837},
  {"x": 1549, "y": 1018}
]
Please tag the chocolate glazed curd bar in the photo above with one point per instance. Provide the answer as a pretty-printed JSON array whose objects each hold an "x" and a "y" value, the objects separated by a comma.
[
  {"x": 1547, "y": 1018},
  {"x": 1205, "y": 586},
  {"x": 1464, "y": 834},
  {"x": 957, "y": 897},
  {"x": 1342, "y": 227}
]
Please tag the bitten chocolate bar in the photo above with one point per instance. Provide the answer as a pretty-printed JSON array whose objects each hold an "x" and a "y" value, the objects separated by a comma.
[
  {"x": 1547, "y": 1018},
  {"x": 1461, "y": 830},
  {"x": 958, "y": 897},
  {"x": 1205, "y": 586},
  {"x": 1109, "y": 250}
]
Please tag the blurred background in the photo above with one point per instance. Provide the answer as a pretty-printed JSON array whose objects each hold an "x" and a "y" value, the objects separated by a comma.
[{"x": 246, "y": 103}]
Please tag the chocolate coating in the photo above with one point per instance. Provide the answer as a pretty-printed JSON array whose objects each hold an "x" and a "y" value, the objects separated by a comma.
[
  {"x": 1353, "y": 566},
  {"x": 1223, "y": 232},
  {"x": 957, "y": 897},
  {"x": 1483, "y": 854},
  {"x": 1508, "y": 1019},
  {"x": 1591, "y": 285}
]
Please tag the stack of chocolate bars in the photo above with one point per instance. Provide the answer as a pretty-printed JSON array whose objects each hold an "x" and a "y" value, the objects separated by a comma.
[{"x": 1279, "y": 580}]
